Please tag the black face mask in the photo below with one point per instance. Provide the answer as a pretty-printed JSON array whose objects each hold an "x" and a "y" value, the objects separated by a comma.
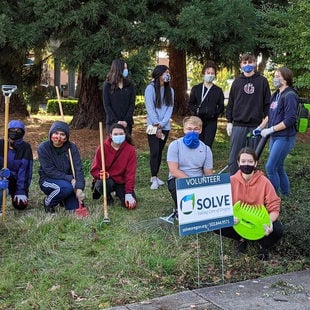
[
  {"x": 15, "y": 135},
  {"x": 247, "y": 169}
]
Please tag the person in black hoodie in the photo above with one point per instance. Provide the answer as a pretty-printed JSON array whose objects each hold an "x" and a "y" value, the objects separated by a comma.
[
  {"x": 248, "y": 105},
  {"x": 57, "y": 180},
  {"x": 119, "y": 96},
  {"x": 19, "y": 163},
  {"x": 207, "y": 102}
]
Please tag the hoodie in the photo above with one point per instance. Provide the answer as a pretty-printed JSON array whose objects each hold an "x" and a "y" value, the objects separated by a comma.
[
  {"x": 257, "y": 191},
  {"x": 249, "y": 100},
  {"x": 55, "y": 162}
]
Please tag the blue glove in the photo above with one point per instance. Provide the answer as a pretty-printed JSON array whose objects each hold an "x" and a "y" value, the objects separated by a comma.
[
  {"x": 4, "y": 184},
  {"x": 257, "y": 131},
  {"x": 5, "y": 173}
]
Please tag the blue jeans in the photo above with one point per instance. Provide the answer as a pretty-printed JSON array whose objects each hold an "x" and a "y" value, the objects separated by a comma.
[
  {"x": 59, "y": 191},
  {"x": 279, "y": 148}
]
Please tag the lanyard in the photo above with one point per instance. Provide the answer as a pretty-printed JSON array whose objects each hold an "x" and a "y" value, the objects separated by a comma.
[{"x": 204, "y": 93}]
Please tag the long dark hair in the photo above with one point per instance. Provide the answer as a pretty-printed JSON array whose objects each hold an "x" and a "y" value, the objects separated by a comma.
[
  {"x": 157, "y": 72},
  {"x": 115, "y": 75},
  {"x": 127, "y": 135}
]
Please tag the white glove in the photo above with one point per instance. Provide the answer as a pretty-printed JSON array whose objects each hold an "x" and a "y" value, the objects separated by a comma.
[
  {"x": 79, "y": 195},
  {"x": 257, "y": 131},
  {"x": 267, "y": 131},
  {"x": 229, "y": 127},
  {"x": 130, "y": 201},
  {"x": 268, "y": 229},
  {"x": 21, "y": 198}
]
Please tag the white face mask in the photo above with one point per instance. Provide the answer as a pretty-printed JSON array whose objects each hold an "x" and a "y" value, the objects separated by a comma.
[{"x": 209, "y": 78}]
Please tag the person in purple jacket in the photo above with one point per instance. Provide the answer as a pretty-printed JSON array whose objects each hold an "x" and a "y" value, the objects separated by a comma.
[
  {"x": 19, "y": 163},
  {"x": 57, "y": 180},
  {"x": 281, "y": 126}
]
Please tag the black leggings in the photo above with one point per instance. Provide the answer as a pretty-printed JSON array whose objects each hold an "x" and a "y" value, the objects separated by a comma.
[
  {"x": 266, "y": 242},
  {"x": 156, "y": 151}
]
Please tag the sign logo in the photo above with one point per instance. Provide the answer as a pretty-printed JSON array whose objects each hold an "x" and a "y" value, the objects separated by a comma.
[{"x": 187, "y": 204}]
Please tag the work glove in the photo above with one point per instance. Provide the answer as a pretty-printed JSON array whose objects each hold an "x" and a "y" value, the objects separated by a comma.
[
  {"x": 5, "y": 173},
  {"x": 268, "y": 229},
  {"x": 257, "y": 131},
  {"x": 104, "y": 175},
  {"x": 79, "y": 194},
  {"x": 267, "y": 131},
  {"x": 21, "y": 198},
  {"x": 229, "y": 127},
  {"x": 130, "y": 201}
]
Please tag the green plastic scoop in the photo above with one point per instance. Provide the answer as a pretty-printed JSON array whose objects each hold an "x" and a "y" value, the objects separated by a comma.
[{"x": 251, "y": 220}]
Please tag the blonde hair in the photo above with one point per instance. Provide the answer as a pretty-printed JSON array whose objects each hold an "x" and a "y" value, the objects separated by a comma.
[{"x": 195, "y": 120}]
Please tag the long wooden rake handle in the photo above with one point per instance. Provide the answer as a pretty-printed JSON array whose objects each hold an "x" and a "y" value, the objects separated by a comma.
[{"x": 105, "y": 204}]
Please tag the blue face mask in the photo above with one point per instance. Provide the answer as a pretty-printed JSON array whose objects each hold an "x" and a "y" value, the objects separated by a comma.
[
  {"x": 125, "y": 73},
  {"x": 191, "y": 139},
  {"x": 118, "y": 139},
  {"x": 248, "y": 68}
]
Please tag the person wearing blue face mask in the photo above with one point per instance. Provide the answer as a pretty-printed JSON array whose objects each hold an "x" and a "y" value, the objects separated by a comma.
[
  {"x": 188, "y": 156},
  {"x": 248, "y": 105},
  {"x": 120, "y": 168},
  {"x": 119, "y": 96},
  {"x": 206, "y": 101}
]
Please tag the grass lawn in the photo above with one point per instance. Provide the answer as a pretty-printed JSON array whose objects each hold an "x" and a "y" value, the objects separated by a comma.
[{"x": 61, "y": 262}]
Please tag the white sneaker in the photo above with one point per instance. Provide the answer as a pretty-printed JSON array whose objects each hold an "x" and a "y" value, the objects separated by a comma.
[
  {"x": 160, "y": 182},
  {"x": 154, "y": 184}
]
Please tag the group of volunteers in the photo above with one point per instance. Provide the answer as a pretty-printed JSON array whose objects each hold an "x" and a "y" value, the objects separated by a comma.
[{"x": 251, "y": 109}]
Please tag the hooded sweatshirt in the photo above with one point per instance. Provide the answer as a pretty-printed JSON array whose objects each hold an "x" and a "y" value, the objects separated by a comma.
[
  {"x": 55, "y": 162},
  {"x": 257, "y": 191},
  {"x": 249, "y": 100}
]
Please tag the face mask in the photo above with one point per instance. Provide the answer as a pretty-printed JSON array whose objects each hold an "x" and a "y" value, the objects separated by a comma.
[
  {"x": 248, "y": 68},
  {"x": 15, "y": 135},
  {"x": 125, "y": 73},
  {"x": 277, "y": 82},
  {"x": 209, "y": 78},
  {"x": 118, "y": 139},
  {"x": 191, "y": 139},
  {"x": 247, "y": 169},
  {"x": 166, "y": 77}
]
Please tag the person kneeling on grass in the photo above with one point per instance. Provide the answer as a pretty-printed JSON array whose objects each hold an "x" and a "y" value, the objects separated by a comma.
[
  {"x": 251, "y": 187},
  {"x": 20, "y": 164},
  {"x": 120, "y": 168},
  {"x": 57, "y": 180},
  {"x": 188, "y": 156}
]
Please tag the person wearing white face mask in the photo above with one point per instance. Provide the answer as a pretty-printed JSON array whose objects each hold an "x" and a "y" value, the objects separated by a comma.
[
  {"x": 120, "y": 168},
  {"x": 248, "y": 105},
  {"x": 119, "y": 96},
  {"x": 207, "y": 102},
  {"x": 280, "y": 124}
]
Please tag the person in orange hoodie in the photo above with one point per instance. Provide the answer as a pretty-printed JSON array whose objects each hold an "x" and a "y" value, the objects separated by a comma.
[{"x": 249, "y": 185}]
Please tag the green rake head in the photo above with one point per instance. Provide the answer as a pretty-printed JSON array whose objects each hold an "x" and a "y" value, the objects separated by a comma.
[{"x": 251, "y": 220}]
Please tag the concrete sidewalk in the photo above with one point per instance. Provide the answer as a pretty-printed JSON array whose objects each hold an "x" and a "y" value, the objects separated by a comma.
[{"x": 289, "y": 291}]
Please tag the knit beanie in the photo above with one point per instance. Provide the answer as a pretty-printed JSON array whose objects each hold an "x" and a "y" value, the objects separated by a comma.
[{"x": 158, "y": 71}]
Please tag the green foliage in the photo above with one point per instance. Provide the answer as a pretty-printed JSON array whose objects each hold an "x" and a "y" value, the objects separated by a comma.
[
  {"x": 140, "y": 106},
  {"x": 68, "y": 106}
]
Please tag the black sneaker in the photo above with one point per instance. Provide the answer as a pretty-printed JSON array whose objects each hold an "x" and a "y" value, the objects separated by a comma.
[
  {"x": 48, "y": 209},
  {"x": 263, "y": 254}
]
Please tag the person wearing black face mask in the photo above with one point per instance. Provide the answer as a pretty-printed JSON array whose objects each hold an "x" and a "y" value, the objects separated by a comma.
[
  {"x": 251, "y": 187},
  {"x": 20, "y": 164}
]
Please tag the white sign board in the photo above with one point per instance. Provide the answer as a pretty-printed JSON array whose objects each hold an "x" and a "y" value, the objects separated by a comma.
[{"x": 204, "y": 203}]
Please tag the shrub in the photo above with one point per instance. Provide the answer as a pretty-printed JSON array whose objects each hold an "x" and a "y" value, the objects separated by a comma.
[
  {"x": 140, "y": 106},
  {"x": 68, "y": 106}
]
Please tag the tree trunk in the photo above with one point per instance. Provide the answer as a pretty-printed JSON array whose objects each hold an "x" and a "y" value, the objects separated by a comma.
[
  {"x": 177, "y": 66},
  {"x": 16, "y": 106},
  {"x": 90, "y": 109}
]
